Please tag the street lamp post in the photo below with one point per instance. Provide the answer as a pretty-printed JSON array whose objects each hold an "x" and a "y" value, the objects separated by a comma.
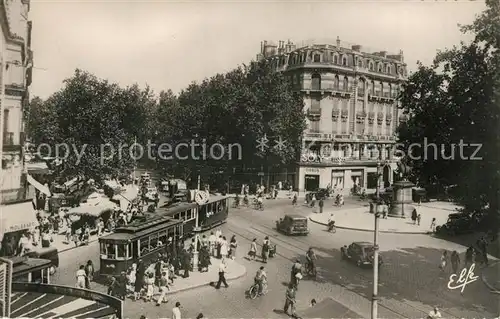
[
  {"x": 375, "y": 247},
  {"x": 196, "y": 231}
]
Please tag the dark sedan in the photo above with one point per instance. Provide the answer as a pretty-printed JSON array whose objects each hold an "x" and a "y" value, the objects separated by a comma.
[{"x": 361, "y": 253}]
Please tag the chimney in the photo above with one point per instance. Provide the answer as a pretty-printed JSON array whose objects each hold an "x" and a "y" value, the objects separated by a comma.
[
  {"x": 338, "y": 42},
  {"x": 402, "y": 56},
  {"x": 356, "y": 48}
]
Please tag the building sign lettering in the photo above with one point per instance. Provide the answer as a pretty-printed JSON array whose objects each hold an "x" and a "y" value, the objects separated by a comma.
[
  {"x": 312, "y": 170},
  {"x": 16, "y": 227}
]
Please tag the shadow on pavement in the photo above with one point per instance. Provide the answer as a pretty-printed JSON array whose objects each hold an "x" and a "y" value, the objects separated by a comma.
[{"x": 409, "y": 278}]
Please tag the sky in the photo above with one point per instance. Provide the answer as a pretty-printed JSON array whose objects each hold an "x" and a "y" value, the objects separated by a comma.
[{"x": 169, "y": 44}]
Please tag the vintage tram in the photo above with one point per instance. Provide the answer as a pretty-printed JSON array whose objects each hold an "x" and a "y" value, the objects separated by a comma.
[{"x": 210, "y": 214}]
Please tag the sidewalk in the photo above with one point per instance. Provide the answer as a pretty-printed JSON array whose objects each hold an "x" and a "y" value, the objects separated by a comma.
[
  {"x": 491, "y": 277},
  {"x": 198, "y": 279},
  {"x": 360, "y": 219}
]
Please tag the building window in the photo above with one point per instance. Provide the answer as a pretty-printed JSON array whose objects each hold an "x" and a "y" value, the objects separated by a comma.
[
  {"x": 371, "y": 66},
  {"x": 390, "y": 90},
  {"x": 336, "y": 83},
  {"x": 314, "y": 127},
  {"x": 317, "y": 58},
  {"x": 335, "y": 59},
  {"x": 5, "y": 121},
  {"x": 344, "y": 61},
  {"x": 316, "y": 105},
  {"x": 380, "y": 67},
  {"x": 361, "y": 88},
  {"x": 316, "y": 82},
  {"x": 360, "y": 63},
  {"x": 372, "y": 89},
  {"x": 389, "y": 69},
  {"x": 346, "y": 84},
  {"x": 381, "y": 89}
]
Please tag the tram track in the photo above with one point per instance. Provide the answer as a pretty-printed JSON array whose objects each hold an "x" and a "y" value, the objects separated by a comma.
[
  {"x": 250, "y": 238},
  {"x": 308, "y": 243}
]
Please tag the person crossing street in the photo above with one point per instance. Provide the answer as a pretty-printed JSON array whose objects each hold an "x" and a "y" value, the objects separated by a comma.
[{"x": 222, "y": 272}]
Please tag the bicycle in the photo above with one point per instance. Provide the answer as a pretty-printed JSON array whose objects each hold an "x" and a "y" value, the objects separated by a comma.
[
  {"x": 311, "y": 270},
  {"x": 258, "y": 205},
  {"x": 253, "y": 292}
]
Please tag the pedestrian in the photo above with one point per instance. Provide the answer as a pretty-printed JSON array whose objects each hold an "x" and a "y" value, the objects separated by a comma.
[
  {"x": 414, "y": 216},
  {"x": 222, "y": 272},
  {"x": 296, "y": 269},
  {"x": 290, "y": 300},
  {"x": 419, "y": 217},
  {"x": 211, "y": 244},
  {"x": 455, "y": 261},
  {"x": 313, "y": 200},
  {"x": 433, "y": 225},
  {"x": 224, "y": 247},
  {"x": 265, "y": 249},
  {"x": 199, "y": 316},
  {"x": 444, "y": 261},
  {"x": 121, "y": 286},
  {"x": 150, "y": 286},
  {"x": 176, "y": 311},
  {"x": 139, "y": 280},
  {"x": 233, "y": 244},
  {"x": 469, "y": 257},
  {"x": 81, "y": 277},
  {"x": 186, "y": 263},
  {"x": 253, "y": 249},
  {"x": 483, "y": 248},
  {"x": 219, "y": 245},
  {"x": 434, "y": 314},
  {"x": 163, "y": 289},
  {"x": 321, "y": 204},
  {"x": 313, "y": 303},
  {"x": 89, "y": 272}
]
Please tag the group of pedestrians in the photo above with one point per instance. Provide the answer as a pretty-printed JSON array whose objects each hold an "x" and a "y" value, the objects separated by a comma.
[{"x": 473, "y": 255}]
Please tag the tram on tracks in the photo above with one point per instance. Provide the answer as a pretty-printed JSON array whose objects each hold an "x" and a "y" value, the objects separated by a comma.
[
  {"x": 144, "y": 239},
  {"x": 212, "y": 213}
]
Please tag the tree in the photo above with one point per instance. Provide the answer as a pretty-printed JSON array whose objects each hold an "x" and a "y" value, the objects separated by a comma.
[
  {"x": 92, "y": 124},
  {"x": 457, "y": 100},
  {"x": 236, "y": 109}
]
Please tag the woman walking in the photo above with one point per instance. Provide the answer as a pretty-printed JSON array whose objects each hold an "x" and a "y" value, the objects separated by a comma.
[
  {"x": 89, "y": 271},
  {"x": 455, "y": 261},
  {"x": 253, "y": 249},
  {"x": 233, "y": 244},
  {"x": 139, "y": 280},
  {"x": 444, "y": 261}
]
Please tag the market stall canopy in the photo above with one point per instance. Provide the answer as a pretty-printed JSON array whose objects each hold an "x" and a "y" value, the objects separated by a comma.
[
  {"x": 16, "y": 217},
  {"x": 328, "y": 308},
  {"x": 95, "y": 206},
  {"x": 42, "y": 188},
  {"x": 38, "y": 168}
]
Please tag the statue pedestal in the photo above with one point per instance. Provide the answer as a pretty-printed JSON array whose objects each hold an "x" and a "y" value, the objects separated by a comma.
[{"x": 402, "y": 205}]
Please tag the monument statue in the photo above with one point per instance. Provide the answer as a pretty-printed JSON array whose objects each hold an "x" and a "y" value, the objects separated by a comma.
[{"x": 402, "y": 204}]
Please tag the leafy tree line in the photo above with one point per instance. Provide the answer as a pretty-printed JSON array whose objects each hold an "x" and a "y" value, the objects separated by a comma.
[
  {"x": 458, "y": 99},
  {"x": 235, "y": 108}
]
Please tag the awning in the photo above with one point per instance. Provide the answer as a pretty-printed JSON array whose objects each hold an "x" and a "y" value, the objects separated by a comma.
[
  {"x": 129, "y": 193},
  {"x": 16, "y": 217},
  {"x": 92, "y": 210},
  {"x": 38, "y": 185},
  {"x": 38, "y": 168}
]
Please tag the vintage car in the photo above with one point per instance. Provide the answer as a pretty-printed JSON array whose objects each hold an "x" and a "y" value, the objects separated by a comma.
[
  {"x": 293, "y": 225},
  {"x": 359, "y": 252}
]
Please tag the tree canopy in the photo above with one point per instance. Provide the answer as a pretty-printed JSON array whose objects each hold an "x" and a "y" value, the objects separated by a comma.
[
  {"x": 457, "y": 100},
  {"x": 85, "y": 121}
]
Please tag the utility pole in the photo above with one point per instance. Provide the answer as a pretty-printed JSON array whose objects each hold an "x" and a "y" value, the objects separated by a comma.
[
  {"x": 375, "y": 247},
  {"x": 199, "y": 180}
]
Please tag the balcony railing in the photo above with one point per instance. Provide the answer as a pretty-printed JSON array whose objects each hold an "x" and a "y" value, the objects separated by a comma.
[
  {"x": 10, "y": 143},
  {"x": 8, "y": 138}
]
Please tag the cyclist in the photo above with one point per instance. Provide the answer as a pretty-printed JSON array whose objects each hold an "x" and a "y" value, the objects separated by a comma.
[
  {"x": 237, "y": 201},
  {"x": 331, "y": 222},
  {"x": 311, "y": 257},
  {"x": 260, "y": 202},
  {"x": 260, "y": 276}
]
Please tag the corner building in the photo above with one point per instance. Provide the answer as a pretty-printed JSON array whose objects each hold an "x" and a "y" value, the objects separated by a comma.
[{"x": 350, "y": 101}]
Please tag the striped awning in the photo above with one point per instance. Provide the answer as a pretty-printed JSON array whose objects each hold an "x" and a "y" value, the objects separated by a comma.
[{"x": 42, "y": 188}]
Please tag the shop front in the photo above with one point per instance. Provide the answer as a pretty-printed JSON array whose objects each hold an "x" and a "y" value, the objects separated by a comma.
[{"x": 15, "y": 219}]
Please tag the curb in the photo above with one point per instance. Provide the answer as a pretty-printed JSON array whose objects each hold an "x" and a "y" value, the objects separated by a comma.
[
  {"x": 370, "y": 230},
  {"x": 73, "y": 247},
  {"x": 207, "y": 284},
  {"x": 492, "y": 289}
]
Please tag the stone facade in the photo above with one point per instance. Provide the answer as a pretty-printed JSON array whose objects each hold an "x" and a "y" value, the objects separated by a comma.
[
  {"x": 16, "y": 62},
  {"x": 351, "y": 107}
]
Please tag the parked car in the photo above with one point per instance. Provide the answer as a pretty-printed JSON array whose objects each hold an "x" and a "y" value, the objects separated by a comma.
[
  {"x": 292, "y": 225},
  {"x": 459, "y": 223},
  {"x": 361, "y": 253}
]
